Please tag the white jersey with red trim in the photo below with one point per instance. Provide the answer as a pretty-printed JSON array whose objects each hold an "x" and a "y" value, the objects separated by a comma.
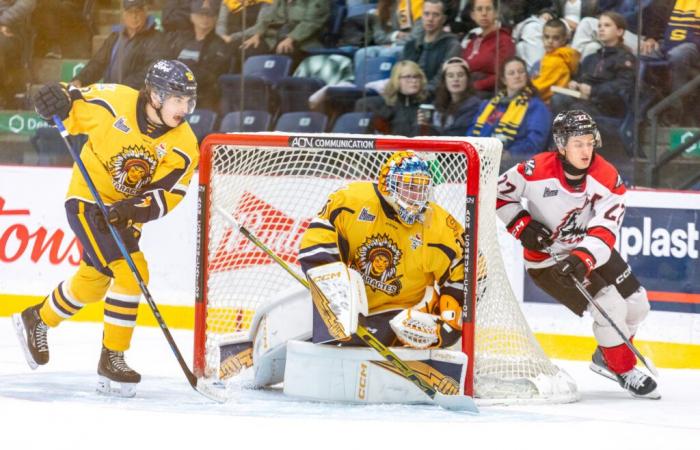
[{"x": 586, "y": 217}]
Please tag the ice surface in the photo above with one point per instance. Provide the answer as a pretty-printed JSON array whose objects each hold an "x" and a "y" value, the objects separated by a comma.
[{"x": 56, "y": 407}]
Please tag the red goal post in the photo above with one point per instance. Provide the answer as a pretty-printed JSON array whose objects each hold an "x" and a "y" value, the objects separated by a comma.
[{"x": 274, "y": 184}]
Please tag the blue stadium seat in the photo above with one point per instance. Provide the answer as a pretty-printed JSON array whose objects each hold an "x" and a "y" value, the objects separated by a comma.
[
  {"x": 253, "y": 121},
  {"x": 340, "y": 100},
  {"x": 269, "y": 67},
  {"x": 302, "y": 122},
  {"x": 202, "y": 122},
  {"x": 256, "y": 93},
  {"x": 293, "y": 93},
  {"x": 354, "y": 123}
]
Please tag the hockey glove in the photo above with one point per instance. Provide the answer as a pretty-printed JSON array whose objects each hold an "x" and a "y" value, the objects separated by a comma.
[
  {"x": 532, "y": 234},
  {"x": 421, "y": 330},
  {"x": 578, "y": 263},
  {"x": 141, "y": 209},
  {"x": 52, "y": 99}
]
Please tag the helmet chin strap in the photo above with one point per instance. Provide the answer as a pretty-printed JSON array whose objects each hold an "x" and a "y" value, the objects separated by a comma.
[{"x": 570, "y": 169}]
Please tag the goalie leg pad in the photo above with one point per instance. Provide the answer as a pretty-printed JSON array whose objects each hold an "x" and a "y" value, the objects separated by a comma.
[
  {"x": 289, "y": 317},
  {"x": 360, "y": 375}
]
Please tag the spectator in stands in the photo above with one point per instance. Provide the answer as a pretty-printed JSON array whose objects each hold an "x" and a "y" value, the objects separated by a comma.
[
  {"x": 432, "y": 46},
  {"x": 572, "y": 11},
  {"x": 486, "y": 50},
  {"x": 288, "y": 27},
  {"x": 560, "y": 62},
  {"x": 396, "y": 110},
  {"x": 176, "y": 16},
  {"x": 232, "y": 13},
  {"x": 203, "y": 51},
  {"x": 455, "y": 103},
  {"x": 62, "y": 28},
  {"x": 585, "y": 39},
  {"x": 390, "y": 26},
  {"x": 516, "y": 115},
  {"x": 528, "y": 38},
  {"x": 126, "y": 54},
  {"x": 605, "y": 79},
  {"x": 672, "y": 31},
  {"x": 14, "y": 16}
]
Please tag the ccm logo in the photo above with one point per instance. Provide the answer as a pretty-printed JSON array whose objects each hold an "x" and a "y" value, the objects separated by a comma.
[{"x": 362, "y": 385}]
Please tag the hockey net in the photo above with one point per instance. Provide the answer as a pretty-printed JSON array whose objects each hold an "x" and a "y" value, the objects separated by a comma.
[{"x": 274, "y": 184}]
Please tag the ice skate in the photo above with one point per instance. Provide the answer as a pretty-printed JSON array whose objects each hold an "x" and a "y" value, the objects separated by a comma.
[
  {"x": 599, "y": 366},
  {"x": 31, "y": 332},
  {"x": 639, "y": 384},
  {"x": 112, "y": 367}
]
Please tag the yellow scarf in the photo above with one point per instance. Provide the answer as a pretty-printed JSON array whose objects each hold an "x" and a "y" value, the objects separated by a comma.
[
  {"x": 235, "y": 5},
  {"x": 512, "y": 118}
]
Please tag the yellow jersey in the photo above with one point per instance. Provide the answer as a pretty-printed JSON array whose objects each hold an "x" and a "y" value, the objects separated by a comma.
[
  {"x": 397, "y": 261},
  {"x": 125, "y": 155}
]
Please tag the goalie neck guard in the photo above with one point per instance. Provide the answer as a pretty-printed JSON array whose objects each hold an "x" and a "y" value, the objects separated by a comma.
[{"x": 406, "y": 183}]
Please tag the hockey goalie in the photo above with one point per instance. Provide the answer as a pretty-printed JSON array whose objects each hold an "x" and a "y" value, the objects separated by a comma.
[{"x": 378, "y": 254}]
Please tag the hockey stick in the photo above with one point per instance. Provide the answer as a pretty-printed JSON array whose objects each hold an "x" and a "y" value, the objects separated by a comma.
[
  {"x": 451, "y": 402},
  {"x": 589, "y": 298},
  {"x": 202, "y": 388}
]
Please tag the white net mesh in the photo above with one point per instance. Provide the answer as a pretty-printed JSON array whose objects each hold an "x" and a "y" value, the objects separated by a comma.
[{"x": 275, "y": 191}]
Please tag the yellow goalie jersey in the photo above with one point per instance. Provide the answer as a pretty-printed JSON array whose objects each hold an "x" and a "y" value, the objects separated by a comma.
[
  {"x": 125, "y": 155},
  {"x": 397, "y": 261}
]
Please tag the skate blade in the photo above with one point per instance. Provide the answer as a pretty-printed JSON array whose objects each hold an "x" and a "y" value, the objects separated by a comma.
[
  {"x": 126, "y": 390},
  {"x": 653, "y": 395},
  {"x": 603, "y": 372},
  {"x": 22, "y": 336}
]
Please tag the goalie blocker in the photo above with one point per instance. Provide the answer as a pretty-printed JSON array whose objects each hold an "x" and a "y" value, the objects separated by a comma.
[{"x": 339, "y": 373}]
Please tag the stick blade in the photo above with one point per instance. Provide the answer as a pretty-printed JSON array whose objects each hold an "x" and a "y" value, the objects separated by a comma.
[
  {"x": 211, "y": 391},
  {"x": 456, "y": 403}
]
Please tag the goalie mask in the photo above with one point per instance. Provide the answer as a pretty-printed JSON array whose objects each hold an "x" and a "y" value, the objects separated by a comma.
[
  {"x": 166, "y": 78},
  {"x": 406, "y": 183},
  {"x": 574, "y": 123}
]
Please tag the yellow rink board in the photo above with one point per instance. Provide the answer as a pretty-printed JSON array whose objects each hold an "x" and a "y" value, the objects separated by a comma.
[{"x": 664, "y": 354}]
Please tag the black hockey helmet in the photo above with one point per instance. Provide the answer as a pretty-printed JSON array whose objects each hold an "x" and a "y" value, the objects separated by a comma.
[
  {"x": 575, "y": 122},
  {"x": 172, "y": 77}
]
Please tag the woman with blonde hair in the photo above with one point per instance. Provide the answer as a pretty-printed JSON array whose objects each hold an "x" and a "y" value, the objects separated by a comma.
[{"x": 396, "y": 110}]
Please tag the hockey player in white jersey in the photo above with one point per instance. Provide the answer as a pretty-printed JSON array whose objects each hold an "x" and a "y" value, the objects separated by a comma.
[{"x": 575, "y": 205}]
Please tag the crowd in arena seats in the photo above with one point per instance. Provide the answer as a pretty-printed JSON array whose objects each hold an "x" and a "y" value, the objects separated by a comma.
[{"x": 419, "y": 67}]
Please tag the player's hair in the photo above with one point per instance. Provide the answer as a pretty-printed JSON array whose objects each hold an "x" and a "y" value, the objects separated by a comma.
[{"x": 493, "y": 2}]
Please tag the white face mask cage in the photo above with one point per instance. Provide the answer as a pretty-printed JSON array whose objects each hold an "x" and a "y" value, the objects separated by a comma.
[{"x": 411, "y": 192}]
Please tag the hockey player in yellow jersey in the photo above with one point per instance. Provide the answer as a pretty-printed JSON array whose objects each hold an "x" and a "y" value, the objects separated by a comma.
[
  {"x": 401, "y": 243},
  {"x": 141, "y": 155}
]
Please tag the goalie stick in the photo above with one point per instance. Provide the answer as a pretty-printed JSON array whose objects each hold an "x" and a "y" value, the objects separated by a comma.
[
  {"x": 203, "y": 388},
  {"x": 451, "y": 402},
  {"x": 647, "y": 362}
]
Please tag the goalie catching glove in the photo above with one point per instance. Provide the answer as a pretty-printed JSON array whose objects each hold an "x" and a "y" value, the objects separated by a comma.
[{"x": 421, "y": 330}]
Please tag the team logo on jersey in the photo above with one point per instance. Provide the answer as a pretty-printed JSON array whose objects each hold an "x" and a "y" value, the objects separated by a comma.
[
  {"x": 550, "y": 192},
  {"x": 161, "y": 150},
  {"x": 132, "y": 169},
  {"x": 377, "y": 260},
  {"x": 120, "y": 125},
  {"x": 529, "y": 167},
  {"x": 366, "y": 216},
  {"x": 571, "y": 229},
  {"x": 416, "y": 241}
]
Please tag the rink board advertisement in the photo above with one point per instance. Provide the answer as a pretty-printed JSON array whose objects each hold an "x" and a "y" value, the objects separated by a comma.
[
  {"x": 37, "y": 248},
  {"x": 660, "y": 239}
]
